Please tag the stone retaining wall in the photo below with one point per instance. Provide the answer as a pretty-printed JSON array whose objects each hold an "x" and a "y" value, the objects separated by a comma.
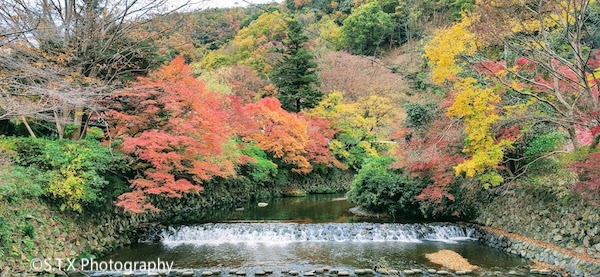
[
  {"x": 573, "y": 265},
  {"x": 572, "y": 225}
]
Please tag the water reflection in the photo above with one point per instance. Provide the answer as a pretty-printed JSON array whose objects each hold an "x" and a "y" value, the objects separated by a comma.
[{"x": 337, "y": 254}]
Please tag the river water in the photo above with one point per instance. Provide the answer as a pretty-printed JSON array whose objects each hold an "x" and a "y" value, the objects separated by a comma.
[{"x": 307, "y": 233}]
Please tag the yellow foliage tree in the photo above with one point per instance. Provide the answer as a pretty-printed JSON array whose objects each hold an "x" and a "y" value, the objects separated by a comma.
[
  {"x": 330, "y": 33},
  {"x": 360, "y": 125},
  {"x": 476, "y": 106},
  {"x": 253, "y": 44},
  {"x": 446, "y": 45}
]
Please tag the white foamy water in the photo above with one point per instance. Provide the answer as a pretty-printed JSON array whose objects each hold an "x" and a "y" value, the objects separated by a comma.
[{"x": 284, "y": 233}]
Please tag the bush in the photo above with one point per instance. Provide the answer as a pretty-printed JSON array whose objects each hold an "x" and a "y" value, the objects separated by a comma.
[
  {"x": 379, "y": 188},
  {"x": 260, "y": 168},
  {"x": 5, "y": 233},
  {"x": 458, "y": 7},
  {"x": 461, "y": 207},
  {"x": 417, "y": 115},
  {"x": 74, "y": 172},
  {"x": 28, "y": 231},
  {"x": 17, "y": 183},
  {"x": 531, "y": 152},
  {"x": 94, "y": 133}
]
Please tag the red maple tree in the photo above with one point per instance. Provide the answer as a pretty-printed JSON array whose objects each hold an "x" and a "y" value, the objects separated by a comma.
[{"x": 176, "y": 129}]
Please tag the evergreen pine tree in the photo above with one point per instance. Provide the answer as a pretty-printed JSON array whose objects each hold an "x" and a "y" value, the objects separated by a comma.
[{"x": 295, "y": 74}]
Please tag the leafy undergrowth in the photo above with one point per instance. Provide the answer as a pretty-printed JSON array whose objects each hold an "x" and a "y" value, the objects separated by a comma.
[
  {"x": 33, "y": 226},
  {"x": 568, "y": 178},
  {"x": 30, "y": 229}
]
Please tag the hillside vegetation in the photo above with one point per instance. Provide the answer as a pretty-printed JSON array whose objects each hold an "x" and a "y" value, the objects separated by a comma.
[{"x": 425, "y": 103}]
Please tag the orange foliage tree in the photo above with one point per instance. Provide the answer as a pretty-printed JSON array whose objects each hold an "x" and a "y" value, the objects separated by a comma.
[
  {"x": 175, "y": 128},
  {"x": 294, "y": 139}
]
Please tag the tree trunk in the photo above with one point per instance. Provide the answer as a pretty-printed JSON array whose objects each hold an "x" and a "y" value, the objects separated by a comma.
[
  {"x": 78, "y": 121},
  {"x": 59, "y": 127},
  {"x": 298, "y": 105},
  {"x": 573, "y": 136},
  {"x": 31, "y": 133}
]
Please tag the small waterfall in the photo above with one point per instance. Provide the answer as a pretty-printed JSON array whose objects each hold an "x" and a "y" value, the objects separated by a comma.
[{"x": 283, "y": 233}]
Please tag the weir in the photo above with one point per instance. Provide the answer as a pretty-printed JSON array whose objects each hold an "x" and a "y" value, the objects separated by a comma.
[{"x": 284, "y": 233}]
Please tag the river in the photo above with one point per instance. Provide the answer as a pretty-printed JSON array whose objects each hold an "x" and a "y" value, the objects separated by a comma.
[{"x": 307, "y": 233}]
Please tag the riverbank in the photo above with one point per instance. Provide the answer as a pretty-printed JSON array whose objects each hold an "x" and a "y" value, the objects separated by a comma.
[
  {"x": 40, "y": 230},
  {"x": 352, "y": 247},
  {"x": 33, "y": 228},
  {"x": 114, "y": 233}
]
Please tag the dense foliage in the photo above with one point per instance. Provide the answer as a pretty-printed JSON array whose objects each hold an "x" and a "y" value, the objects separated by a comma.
[
  {"x": 518, "y": 101},
  {"x": 589, "y": 183},
  {"x": 265, "y": 96},
  {"x": 174, "y": 127},
  {"x": 128, "y": 109},
  {"x": 381, "y": 188}
]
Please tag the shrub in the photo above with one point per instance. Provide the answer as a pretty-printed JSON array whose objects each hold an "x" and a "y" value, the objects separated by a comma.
[
  {"x": 260, "y": 168},
  {"x": 94, "y": 133},
  {"x": 17, "y": 182},
  {"x": 417, "y": 115},
  {"x": 73, "y": 173},
  {"x": 28, "y": 231},
  {"x": 379, "y": 188},
  {"x": 5, "y": 233},
  {"x": 461, "y": 206},
  {"x": 532, "y": 149}
]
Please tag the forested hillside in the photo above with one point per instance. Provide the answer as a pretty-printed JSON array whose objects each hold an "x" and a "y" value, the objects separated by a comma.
[{"x": 119, "y": 108}]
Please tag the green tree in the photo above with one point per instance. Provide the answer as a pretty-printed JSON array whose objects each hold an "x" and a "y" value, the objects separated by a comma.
[
  {"x": 366, "y": 29},
  {"x": 295, "y": 74}
]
